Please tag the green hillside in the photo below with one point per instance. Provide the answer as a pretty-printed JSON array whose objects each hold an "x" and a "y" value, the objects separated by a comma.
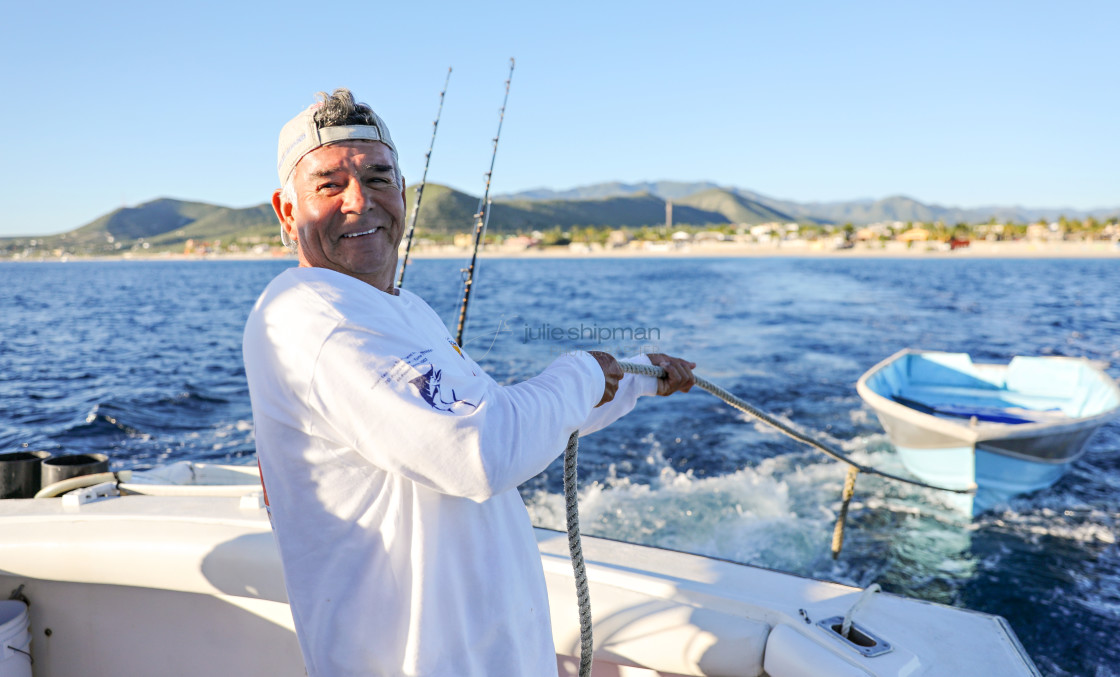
[
  {"x": 896, "y": 208},
  {"x": 226, "y": 224},
  {"x": 443, "y": 210},
  {"x": 615, "y": 212},
  {"x": 143, "y": 221},
  {"x": 735, "y": 208}
]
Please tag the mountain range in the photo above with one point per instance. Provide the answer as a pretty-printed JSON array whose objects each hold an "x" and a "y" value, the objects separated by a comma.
[
  {"x": 858, "y": 212},
  {"x": 168, "y": 222}
]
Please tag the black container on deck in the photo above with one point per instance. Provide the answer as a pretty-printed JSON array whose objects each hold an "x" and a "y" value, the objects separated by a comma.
[
  {"x": 20, "y": 473},
  {"x": 75, "y": 465}
]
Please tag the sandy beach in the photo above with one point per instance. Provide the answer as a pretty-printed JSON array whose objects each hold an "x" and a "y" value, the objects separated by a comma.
[
  {"x": 983, "y": 249},
  {"x": 1022, "y": 249}
]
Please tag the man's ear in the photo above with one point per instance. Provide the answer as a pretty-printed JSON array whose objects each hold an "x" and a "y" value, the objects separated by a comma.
[{"x": 283, "y": 209}]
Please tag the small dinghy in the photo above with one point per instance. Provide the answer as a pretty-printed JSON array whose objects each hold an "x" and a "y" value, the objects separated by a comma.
[{"x": 1006, "y": 429}]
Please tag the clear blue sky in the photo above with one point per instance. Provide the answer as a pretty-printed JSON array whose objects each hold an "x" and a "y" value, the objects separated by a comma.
[{"x": 954, "y": 103}]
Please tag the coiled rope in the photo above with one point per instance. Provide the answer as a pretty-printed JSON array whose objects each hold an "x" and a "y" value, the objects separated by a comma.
[{"x": 571, "y": 489}]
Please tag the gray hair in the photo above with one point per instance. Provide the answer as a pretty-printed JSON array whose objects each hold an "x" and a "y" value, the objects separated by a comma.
[{"x": 339, "y": 109}]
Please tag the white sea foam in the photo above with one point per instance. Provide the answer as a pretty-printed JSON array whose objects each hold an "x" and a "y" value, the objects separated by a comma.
[
  {"x": 771, "y": 514},
  {"x": 778, "y": 513}
]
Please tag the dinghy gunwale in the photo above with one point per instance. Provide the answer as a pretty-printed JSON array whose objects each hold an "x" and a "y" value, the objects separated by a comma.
[{"x": 967, "y": 433}]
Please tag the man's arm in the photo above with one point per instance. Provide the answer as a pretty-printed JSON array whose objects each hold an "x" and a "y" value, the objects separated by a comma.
[{"x": 441, "y": 427}]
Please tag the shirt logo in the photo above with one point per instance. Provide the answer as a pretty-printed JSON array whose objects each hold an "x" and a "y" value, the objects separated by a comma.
[{"x": 431, "y": 391}]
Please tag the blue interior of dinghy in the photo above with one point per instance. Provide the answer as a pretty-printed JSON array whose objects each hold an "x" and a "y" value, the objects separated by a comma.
[
  {"x": 1027, "y": 390},
  {"x": 980, "y": 413}
]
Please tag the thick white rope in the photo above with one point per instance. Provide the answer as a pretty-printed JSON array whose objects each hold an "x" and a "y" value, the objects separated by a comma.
[{"x": 575, "y": 549}]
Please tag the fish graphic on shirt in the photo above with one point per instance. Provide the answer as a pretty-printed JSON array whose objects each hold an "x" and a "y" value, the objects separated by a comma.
[{"x": 430, "y": 389}]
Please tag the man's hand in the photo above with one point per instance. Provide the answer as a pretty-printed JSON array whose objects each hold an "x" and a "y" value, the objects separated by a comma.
[
  {"x": 612, "y": 372},
  {"x": 678, "y": 374}
]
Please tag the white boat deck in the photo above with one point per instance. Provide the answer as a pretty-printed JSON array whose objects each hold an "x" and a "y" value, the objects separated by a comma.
[{"x": 188, "y": 585}]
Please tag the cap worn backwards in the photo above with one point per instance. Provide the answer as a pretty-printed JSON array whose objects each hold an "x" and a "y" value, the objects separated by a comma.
[{"x": 301, "y": 135}]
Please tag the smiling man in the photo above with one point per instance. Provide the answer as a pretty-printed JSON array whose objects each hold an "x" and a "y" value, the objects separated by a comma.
[{"x": 391, "y": 459}]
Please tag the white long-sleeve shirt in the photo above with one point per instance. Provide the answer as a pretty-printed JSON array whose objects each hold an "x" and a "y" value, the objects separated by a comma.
[{"x": 391, "y": 462}]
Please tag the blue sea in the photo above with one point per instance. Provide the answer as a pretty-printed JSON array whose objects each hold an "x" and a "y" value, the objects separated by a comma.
[{"x": 142, "y": 360}]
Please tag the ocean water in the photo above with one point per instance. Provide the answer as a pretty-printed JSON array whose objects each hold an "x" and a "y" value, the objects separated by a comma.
[{"x": 142, "y": 360}]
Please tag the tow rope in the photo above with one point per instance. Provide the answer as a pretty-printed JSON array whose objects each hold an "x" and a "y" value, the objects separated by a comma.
[{"x": 571, "y": 489}]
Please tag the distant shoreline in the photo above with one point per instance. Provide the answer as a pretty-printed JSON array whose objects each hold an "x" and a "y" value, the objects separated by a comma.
[
  {"x": 977, "y": 250},
  {"x": 981, "y": 250}
]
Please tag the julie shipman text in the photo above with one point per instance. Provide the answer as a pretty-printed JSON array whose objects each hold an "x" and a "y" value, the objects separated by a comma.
[{"x": 547, "y": 332}]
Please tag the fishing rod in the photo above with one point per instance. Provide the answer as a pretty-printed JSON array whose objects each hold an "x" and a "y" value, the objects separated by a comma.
[
  {"x": 423, "y": 182},
  {"x": 481, "y": 217}
]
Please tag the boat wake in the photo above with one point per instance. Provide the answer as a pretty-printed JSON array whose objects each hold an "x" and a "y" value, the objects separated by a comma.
[{"x": 777, "y": 513}]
